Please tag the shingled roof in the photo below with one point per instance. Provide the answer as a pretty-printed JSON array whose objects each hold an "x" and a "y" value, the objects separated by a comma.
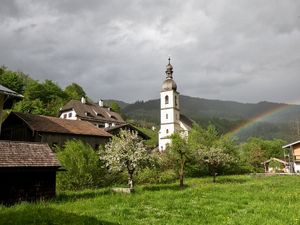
[
  {"x": 184, "y": 119},
  {"x": 95, "y": 112},
  {"x": 57, "y": 125},
  {"x": 26, "y": 154}
]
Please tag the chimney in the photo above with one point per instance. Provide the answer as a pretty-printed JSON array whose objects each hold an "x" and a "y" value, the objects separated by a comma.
[
  {"x": 83, "y": 101},
  {"x": 101, "y": 104}
]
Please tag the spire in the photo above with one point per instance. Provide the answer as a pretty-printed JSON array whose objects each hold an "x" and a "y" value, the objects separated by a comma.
[{"x": 169, "y": 71}]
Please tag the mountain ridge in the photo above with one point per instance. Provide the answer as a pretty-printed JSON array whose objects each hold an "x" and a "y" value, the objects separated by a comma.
[{"x": 226, "y": 115}]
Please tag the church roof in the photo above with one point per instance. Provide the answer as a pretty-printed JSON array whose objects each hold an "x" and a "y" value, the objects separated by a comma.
[
  {"x": 184, "y": 119},
  {"x": 169, "y": 84}
]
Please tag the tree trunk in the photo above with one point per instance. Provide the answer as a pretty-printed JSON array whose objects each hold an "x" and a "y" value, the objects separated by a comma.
[
  {"x": 181, "y": 173},
  {"x": 130, "y": 180},
  {"x": 214, "y": 175}
]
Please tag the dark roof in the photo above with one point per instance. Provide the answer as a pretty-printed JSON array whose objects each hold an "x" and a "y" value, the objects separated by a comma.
[
  {"x": 57, "y": 125},
  {"x": 184, "y": 119},
  {"x": 10, "y": 96},
  {"x": 6, "y": 91},
  {"x": 112, "y": 130},
  {"x": 94, "y": 111},
  {"x": 26, "y": 154}
]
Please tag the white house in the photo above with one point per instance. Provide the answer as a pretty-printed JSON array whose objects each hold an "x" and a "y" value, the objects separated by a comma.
[
  {"x": 97, "y": 114},
  {"x": 171, "y": 120},
  {"x": 292, "y": 153}
]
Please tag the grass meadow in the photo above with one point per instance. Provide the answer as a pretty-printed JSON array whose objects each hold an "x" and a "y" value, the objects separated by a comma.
[{"x": 232, "y": 200}]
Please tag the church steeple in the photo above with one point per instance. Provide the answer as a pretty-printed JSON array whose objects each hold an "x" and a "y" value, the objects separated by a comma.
[
  {"x": 169, "y": 83},
  {"x": 169, "y": 109},
  {"x": 169, "y": 71}
]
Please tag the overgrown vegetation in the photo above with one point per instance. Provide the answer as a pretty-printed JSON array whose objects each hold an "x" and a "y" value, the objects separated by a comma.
[{"x": 82, "y": 167}]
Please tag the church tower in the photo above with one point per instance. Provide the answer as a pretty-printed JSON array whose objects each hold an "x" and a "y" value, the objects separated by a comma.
[{"x": 169, "y": 109}]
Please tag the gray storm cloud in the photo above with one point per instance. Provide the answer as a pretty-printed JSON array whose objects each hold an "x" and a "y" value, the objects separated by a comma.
[{"x": 242, "y": 50}]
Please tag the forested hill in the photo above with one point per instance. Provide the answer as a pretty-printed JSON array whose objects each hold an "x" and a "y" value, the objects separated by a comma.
[
  {"x": 46, "y": 98},
  {"x": 226, "y": 115}
]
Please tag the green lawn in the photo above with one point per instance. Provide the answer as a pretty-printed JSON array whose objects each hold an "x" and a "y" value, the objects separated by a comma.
[{"x": 232, "y": 200}]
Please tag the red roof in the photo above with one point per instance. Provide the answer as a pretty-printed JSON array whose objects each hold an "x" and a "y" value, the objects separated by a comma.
[{"x": 57, "y": 125}]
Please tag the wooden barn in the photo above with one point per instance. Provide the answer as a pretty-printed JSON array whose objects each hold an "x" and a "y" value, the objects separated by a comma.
[
  {"x": 51, "y": 130},
  {"x": 27, "y": 172}
]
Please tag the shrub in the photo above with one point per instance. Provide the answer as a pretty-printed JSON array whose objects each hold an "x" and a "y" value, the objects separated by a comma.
[
  {"x": 155, "y": 176},
  {"x": 82, "y": 165}
]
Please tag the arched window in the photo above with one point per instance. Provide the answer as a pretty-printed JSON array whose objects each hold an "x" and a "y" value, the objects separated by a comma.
[
  {"x": 166, "y": 116},
  {"x": 176, "y": 101},
  {"x": 166, "y": 99},
  {"x": 167, "y": 131}
]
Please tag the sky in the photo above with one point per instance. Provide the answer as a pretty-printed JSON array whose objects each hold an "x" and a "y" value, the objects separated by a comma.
[{"x": 241, "y": 50}]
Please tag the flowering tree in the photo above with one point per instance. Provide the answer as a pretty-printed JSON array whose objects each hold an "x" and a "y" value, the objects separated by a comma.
[
  {"x": 215, "y": 158},
  {"x": 125, "y": 152}
]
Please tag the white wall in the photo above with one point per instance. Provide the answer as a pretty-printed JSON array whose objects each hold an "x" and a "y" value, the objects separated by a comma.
[
  {"x": 169, "y": 123},
  {"x": 70, "y": 115},
  {"x": 297, "y": 167}
]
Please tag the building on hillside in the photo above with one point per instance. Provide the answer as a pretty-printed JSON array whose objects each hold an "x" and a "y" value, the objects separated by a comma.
[
  {"x": 292, "y": 155},
  {"x": 96, "y": 114},
  {"x": 51, "y": 130},
  {"x": 171, "y": 120},
  {"x": 27, "y": 172},
  {"x": 274, "y": 165}
]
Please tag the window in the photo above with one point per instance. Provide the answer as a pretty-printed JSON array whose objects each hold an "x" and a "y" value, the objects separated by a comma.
[
  {"x": 65, "y": 116},
  {"x": 88, "y": 114},
  {"x": 99, "y": 114},
  {"x": 166, "y": 99},
  {"x": 70, "y": 115},
  {"x": 175, "y": 100},
  {"x": 167, "y": 116},
  {"x": 167, "y": 131}
]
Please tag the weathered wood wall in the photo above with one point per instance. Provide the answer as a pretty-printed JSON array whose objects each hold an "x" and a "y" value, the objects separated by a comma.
[{"x": 26, "y": 185}]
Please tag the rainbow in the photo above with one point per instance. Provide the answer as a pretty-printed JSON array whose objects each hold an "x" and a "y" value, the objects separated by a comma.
[{"x": 259, "y": 118}]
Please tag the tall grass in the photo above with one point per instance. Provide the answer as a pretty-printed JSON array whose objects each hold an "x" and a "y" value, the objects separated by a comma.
[{"x": 232, "y": 200}]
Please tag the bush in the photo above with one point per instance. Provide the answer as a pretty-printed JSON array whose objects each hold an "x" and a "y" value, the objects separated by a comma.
[
  {"x": 82, "y": 165},
  {"x": 155, "y": 176}
]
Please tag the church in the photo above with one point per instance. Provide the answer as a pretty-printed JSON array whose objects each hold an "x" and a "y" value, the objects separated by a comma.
[{"x": 171, "y": 121}]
